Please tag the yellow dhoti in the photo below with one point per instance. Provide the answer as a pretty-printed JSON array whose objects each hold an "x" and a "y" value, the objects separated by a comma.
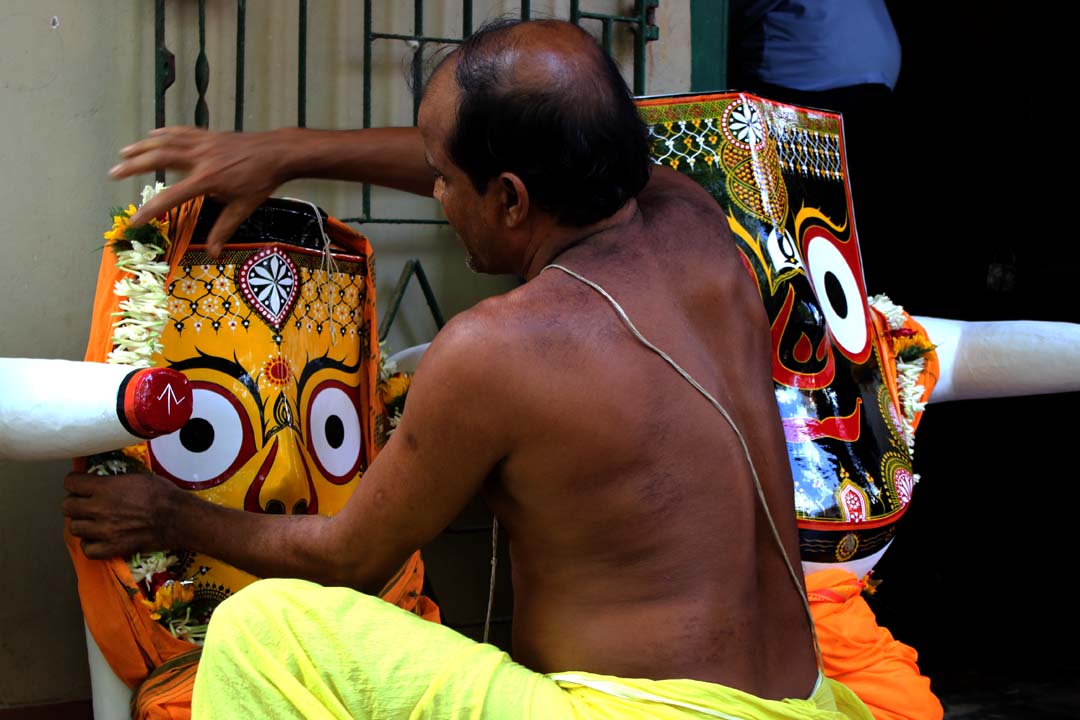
[{"x": 293, "y": 649}]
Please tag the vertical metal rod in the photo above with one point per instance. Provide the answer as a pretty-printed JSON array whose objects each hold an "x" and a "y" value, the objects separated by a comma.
[
  {"x": 241, "y": 23},
  {"x": 161, "y": 70},
  {"x": 607, "y": 23},
  {"x": 159, "y": 65},
  {"x": 645, "y": 32},
  {"x": 418, "y": 57},
  {"x": 709, "y": 43},
  {"x": 575, "y": 11},
  {"x": 639, "y": 41},
  {"x": 301, "y": 82},
  {"x": 365, "y": 190},
  {"x": 202, "y": 72},
  {"x": 466, "y": 18},
  {"x": 526, "y": 9}
]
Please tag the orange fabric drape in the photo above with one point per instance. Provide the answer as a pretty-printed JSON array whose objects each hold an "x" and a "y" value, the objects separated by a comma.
[
  {"x": 929, "y": 375},
  {"x": 931, "y": 372},
  {"x": 856, "y": 651},
  {"x": 863, "y": 655},
  {"x": 143, "y": 654},
  {"x": 131, "y": 641}
]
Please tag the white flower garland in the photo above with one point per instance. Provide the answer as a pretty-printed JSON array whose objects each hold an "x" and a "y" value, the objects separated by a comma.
[
  {"x": 144, "y": 567},
  {"x": 144, "y": 314}
]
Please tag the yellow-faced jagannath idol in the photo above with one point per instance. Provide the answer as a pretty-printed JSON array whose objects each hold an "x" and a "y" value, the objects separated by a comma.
[{"x": 276, "y": 337}]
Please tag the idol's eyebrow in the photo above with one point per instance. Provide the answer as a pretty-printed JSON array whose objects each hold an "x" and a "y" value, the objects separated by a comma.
[
  {"x": 222, "y": 365},
  {"x": 321, "y": 363}
]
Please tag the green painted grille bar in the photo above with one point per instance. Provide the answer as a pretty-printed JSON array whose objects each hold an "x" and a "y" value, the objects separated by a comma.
[
  {"x": 202, "y": 72},
  {"x": 418, "y": 55},
  {"x": 241, "y": 22},
  {"x": 301, "y": 80},
  {"x": 164, "y": 71},
  {"x": 708, "y": 45},
  {"x": 641, "y": 22}
]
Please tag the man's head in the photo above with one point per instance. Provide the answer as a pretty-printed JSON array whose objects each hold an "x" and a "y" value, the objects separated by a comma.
[{"x": 531, "y": 116}]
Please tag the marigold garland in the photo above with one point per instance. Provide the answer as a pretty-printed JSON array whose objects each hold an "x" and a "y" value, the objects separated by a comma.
[{"x": 393, "y": 387}]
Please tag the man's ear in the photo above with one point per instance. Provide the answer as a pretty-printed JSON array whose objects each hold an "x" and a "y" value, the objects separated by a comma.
[{"x": 513, "y": 199}]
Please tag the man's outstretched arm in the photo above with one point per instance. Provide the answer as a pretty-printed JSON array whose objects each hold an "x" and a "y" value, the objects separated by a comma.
[{"x": 242, "y": 169}]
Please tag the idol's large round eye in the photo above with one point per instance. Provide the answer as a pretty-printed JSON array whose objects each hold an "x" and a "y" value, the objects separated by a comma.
[
  {"x": 213, "y": 444},
  {"x": 333, "y": 431},
  {"x": 839, "y": 293}
]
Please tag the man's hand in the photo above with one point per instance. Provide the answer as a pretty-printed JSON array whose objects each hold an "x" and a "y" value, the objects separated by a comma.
[
  {"x": 118, "y": 515},
  {"x": 241, "y": 169}
]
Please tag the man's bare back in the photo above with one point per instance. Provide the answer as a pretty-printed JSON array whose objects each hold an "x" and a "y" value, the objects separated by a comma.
[{"x": 639, "y": 546}]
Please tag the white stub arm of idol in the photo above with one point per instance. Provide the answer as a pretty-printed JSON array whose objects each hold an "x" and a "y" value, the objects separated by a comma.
[
  {"x": 1003, "y": 358},
  {"x": 406, "y": 360},
  {"x": 56, "y": 409}
]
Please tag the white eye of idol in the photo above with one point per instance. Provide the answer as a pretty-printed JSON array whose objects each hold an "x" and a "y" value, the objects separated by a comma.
[
  {"x": 333, "y": 429},
  {"x": 838, "y": 294},
  {"x": 210, "y": 444}
]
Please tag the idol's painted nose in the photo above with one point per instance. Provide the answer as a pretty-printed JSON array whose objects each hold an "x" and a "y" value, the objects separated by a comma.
[{"x": 283, "y": 484}]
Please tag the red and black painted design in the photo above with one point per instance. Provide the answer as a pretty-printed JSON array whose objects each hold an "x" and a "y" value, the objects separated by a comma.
[{"x": 779, "y": 173}]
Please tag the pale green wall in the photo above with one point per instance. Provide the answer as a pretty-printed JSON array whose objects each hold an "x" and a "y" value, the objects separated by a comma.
[{"x": 75, "y": 89}]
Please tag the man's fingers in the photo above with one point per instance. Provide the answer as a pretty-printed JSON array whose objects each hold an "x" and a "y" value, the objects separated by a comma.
[
  {"x": 176, "y": 136},
  {"x": 85, "y": 529},
  {"x": 230, "y": 218},
  {"x": 150, "y": 161},
  {"x": 80, "y": 484},
  {"x": 99, "y": 550},
  {"x": 74, "y": 507},
  {"x": 166, "y": 200},
  {"x": 176, "y": 130},
  {"x": 155, "y": 153}
]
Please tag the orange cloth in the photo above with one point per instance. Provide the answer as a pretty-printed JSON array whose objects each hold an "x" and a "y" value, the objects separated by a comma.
[
  {"x": 142, "y": 653},
  {"x": 930, "y": 373},
  {"x": 864, "y": 656},
  {"x": 855, "y": 650}
]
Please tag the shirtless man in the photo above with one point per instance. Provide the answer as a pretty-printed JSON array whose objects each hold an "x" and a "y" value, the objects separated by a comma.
[{"x": 644, "y": 544}]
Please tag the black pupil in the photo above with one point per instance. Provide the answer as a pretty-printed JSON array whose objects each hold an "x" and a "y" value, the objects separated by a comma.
[
  {"x": 335, "y": 431},
  {"x": 835, "y": 292},
  {"x": 197, "y": 435}
]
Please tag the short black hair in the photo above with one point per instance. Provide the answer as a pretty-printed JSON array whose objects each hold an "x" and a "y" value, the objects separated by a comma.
[{"x": 578, "y": 143}]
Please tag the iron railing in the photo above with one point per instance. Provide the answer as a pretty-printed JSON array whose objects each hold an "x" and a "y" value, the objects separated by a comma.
[{"x": 640, "y": 21}]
